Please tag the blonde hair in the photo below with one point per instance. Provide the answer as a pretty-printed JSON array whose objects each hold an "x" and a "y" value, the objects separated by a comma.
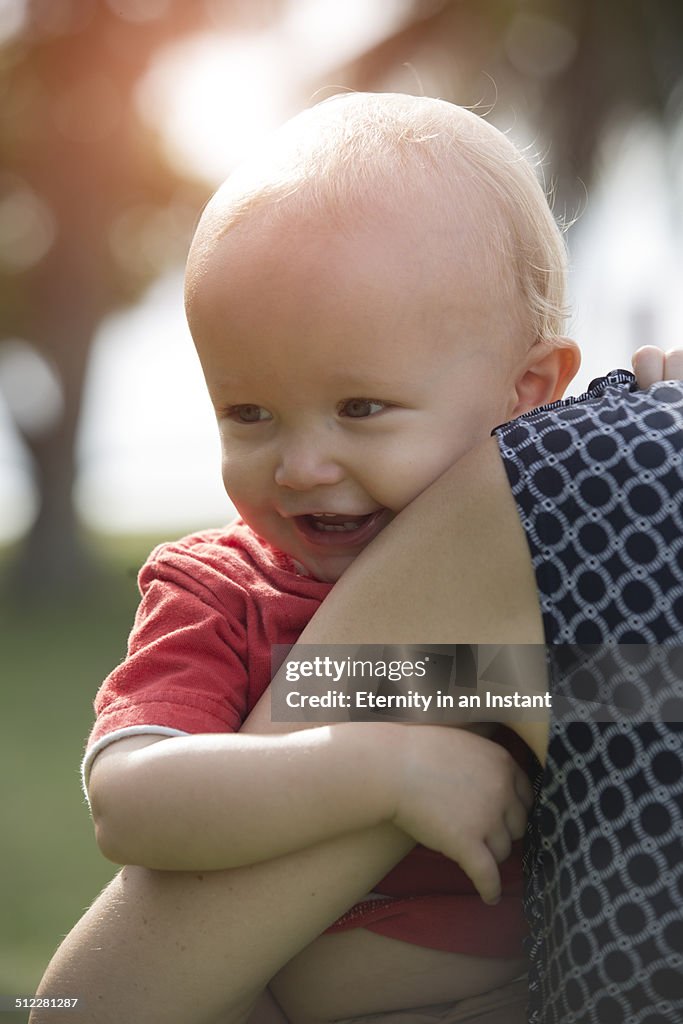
[{"x": 333, "y": 156}]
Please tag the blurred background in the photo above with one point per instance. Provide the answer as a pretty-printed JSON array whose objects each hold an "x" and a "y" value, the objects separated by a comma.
[{"x": 118, "y": 118}]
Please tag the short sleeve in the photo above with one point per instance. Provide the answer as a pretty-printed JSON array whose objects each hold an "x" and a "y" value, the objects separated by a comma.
[{"x": 186, "y": 670}]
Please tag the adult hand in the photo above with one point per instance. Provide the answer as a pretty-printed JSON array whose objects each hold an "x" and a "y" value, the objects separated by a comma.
[{"x": 652, "y": 364}]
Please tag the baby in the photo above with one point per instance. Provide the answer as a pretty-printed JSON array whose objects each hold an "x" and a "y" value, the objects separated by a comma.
[{"x": 369, "y": 296}]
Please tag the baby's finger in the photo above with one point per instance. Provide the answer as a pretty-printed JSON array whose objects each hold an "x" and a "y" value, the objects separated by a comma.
[
  {"x": 481, "y": 868},
  {"x": 516, "y": 818},
  {"x": 648, "y": 365},
  {"x": 500, "y": 844},
  {"x": 673, "y": 364},
  {"x": 524, "y": 789}
]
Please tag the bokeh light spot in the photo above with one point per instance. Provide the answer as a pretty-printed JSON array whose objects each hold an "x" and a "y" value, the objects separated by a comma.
[
  {"x": 31, "y": 387},
  {"x": 27, "y": 226}
]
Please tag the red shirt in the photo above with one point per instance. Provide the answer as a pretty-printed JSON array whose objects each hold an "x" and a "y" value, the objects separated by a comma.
[{"x": 199, "y": 659}]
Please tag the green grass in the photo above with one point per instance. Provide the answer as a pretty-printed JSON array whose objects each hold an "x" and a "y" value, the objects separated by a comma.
[{"x": 52, "y": 659}]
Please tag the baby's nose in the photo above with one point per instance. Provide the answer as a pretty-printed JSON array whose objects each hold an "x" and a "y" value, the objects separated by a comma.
[{"x": 305, "y": 463}]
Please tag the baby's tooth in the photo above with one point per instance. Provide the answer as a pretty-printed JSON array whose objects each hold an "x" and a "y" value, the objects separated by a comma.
[{"x": 336, "y": 527}]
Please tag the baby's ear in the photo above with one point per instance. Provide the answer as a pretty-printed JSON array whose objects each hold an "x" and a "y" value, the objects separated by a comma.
[{"x": 548, "y": 369}]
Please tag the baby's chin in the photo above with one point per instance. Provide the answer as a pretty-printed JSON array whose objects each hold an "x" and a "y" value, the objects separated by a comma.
[{"x": 330, "y": 570}]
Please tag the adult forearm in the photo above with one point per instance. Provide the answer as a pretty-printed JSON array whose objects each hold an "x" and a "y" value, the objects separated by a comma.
[
  {"x": 218, "y": 801},
  {"x": 424, "y": 581},
  {"x": 453, "y": 567},
  {"x": 179, "y": 946}
]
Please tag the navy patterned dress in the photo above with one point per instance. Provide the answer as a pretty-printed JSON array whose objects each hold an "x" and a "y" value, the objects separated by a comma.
[{"x": 598, "y": 483}]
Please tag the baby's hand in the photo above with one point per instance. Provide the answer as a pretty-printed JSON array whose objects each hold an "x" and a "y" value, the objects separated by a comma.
[
  {"x": 652, "y": 364},
  {"x": 465, "y": 797}
]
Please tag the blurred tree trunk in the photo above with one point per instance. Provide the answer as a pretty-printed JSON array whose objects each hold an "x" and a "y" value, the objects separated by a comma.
[
  {"x": 78, "y": 154},
  {"x": 53, "y": 556}
]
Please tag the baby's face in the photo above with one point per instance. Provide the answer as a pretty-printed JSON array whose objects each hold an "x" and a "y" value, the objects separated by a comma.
[{"x": 347, "y": 371}]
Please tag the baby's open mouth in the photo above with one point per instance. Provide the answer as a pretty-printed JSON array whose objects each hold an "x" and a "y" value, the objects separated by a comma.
[
  {"x": 331, "y": 522},
  {"x": 340, "y": 527}
]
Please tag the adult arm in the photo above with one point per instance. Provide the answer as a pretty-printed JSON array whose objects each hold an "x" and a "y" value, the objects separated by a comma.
[{"x": 454, "y": 567}]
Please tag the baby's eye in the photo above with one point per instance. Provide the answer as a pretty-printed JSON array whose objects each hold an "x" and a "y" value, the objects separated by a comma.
[
  {"x": 359, "y": 408},
  {"x": 247, "y": 413}
]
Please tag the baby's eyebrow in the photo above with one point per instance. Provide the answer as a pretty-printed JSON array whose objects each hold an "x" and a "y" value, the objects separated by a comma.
[{"x": 364, "y": 382}]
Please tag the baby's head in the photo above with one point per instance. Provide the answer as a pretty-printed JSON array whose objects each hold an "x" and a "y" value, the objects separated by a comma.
[{"x": 370, "y": 295}]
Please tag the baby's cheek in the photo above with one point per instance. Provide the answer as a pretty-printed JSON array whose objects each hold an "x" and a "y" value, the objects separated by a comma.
[
  {"x": 435, "y": 461},
  {"x": 231, "y": 478},
  {"x": 406, "y": 475},
  {"x": 240, "y": 473}
]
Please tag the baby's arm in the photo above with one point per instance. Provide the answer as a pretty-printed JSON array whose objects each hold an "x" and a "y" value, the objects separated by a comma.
[{"x": 218, "y": 801}]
